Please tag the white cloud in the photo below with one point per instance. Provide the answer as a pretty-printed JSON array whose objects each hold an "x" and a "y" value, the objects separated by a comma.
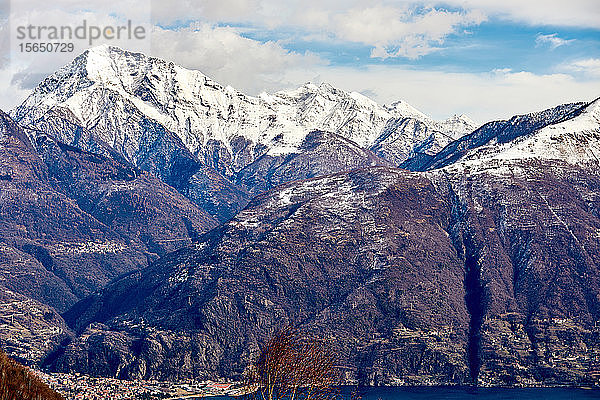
[
  {"x": 76, "y": 16},
  {"x": 401, "y": 32},
  {"x": 128, "y": 9},
  {"x": 12, "y": 91},
  {"x": 572, "y": 13},
  {"x": 589, "y": 67},
  {"x": 224, "y": 55},
  {"x": 317, "y": 14},
  {"x": 312, "y": 14},
  {"x": 4, "y": 43},
  {"x": 167, "y": 12},
  {"x": 498, "y": 94},
  {"x": 552, "y": 40},
  {"x": 393, "y": 28}
]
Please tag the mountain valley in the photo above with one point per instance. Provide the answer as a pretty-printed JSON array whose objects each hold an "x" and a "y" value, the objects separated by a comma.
[{"x": 163, "y": 226}]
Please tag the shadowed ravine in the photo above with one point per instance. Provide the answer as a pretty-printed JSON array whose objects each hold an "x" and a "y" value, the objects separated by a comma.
[{"x": 475, "y": 301}]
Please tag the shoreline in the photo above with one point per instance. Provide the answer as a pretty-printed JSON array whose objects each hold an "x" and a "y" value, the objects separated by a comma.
[{"x": 91, "y": 388}]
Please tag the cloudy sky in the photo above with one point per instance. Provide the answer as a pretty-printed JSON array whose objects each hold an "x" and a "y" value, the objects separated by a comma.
[{"x": 487, "y": 59}]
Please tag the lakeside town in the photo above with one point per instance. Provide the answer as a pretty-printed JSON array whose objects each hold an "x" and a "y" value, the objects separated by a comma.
[{"x": 82, "y": 387}]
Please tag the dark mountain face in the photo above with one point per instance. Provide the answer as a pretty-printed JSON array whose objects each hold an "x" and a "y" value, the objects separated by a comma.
[
  {"x": 133, "y": 203},
  {"x": 321, "y": 153},
  {"x": 441, "y": 277},
  {"x": 68, "y": 208},
  {"x": 535, "y": 243},
  {"x": 159, "y": 153},
  {"x": 45, "y": 223},
  {"x": 71, "y": 221},
  {"x": 215, "y": 194},
  {"x": 406, "y": 138},
  {"x": 340, "y": 255}
]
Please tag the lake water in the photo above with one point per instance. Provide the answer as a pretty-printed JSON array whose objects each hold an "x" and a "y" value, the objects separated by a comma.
[
  {"x": 430, "y": 393},
  {"x": 436, "y": 393}
]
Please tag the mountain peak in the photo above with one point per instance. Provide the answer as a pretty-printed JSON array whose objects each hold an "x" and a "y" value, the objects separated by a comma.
[
  {"x": 112, "y": 51},
  {"x": 113, "y": 65},
  {"x": 460, "y": 119},
  {"x": 402, "y": 108},
  {"x": 109, "y": 90},
  {"x": 324, "y": 86},
  {"x": 312, "y": 88},
  {"x": 104, "y": 49}
]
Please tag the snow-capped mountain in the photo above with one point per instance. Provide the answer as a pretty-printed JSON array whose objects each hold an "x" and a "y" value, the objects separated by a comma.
[
  {"x": 575, "y": 140},
  {"x": 568, "y": 132},
  {"x": 406, "y": 137},
  {"x": 491, "y": 251},
  {"x": 111, "y": 92}
]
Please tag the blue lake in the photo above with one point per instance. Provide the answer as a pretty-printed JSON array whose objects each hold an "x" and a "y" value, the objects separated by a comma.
[
  {"x": 431, "y": 393},
  {"x": 446, "y": 393}
]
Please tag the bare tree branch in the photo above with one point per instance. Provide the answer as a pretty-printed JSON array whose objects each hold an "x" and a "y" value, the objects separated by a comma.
[{"x": 294, "y": 366}]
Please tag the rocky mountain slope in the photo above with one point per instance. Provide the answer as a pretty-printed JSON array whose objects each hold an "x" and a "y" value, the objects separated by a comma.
[
  {"x": 320, "y": 153},
  {"x": 132, "y": 203},
  {"x": 189, "y": 130},
  {"x": 46, "y": 224},
  {"x": 31, "y": 330},
  {"x": 569, "y": 135},
  {"x": 486, "y": 270},
  {"x": 66, "y": 207},
  {"x": 481, "y": 265},
  {"x": 338, "y": 254},
  {"x": 71, "y": 221}
]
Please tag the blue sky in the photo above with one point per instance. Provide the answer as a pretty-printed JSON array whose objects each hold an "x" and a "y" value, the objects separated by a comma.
[
  {"x": 494, "y": 44},
  {"x": 487, "y": 59}
]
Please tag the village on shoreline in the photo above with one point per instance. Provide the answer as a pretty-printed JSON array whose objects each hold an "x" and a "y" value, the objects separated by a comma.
[{"x": 82, "y": 387}]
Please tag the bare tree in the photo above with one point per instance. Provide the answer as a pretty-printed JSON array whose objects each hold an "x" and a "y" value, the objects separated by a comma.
[
  {"x": 18, "y": 383},
  {"x": 293, "y": 366}
]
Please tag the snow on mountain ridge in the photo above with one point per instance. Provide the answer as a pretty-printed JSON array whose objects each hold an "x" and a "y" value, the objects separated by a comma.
[
  {"x": 104, "y": 85},
  {"x": 574, "y": 139},
  {"x": 401, "y": 108}
]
